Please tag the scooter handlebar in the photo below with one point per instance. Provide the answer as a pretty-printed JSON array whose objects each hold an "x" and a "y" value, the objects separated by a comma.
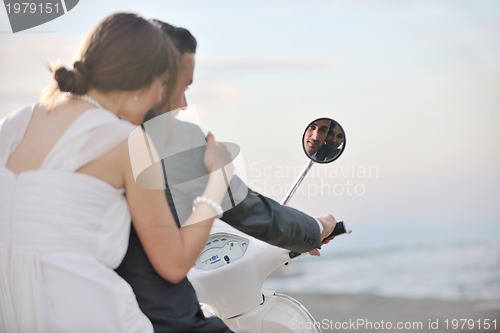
[{"x": 339, "y": 229}]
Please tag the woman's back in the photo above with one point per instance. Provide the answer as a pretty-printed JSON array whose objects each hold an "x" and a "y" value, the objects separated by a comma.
[{"x": 61, "y": 230}]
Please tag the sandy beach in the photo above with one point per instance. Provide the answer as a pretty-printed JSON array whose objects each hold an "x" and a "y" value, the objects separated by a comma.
[{"x": 371, "y": 313}]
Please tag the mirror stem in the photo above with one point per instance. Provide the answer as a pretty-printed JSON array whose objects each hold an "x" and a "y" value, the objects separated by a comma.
[{"x": 297, "y": 182}]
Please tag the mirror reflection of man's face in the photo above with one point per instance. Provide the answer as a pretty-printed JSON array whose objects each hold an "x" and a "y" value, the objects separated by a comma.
[
  {"x": 315, "y": 135},
  {"x": 335, "y": 136}
]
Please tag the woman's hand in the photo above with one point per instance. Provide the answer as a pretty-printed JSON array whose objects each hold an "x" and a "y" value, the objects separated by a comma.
[{"x": 217, "y": 156}]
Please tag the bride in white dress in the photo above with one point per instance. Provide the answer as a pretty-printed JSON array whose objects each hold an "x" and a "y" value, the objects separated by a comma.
[{"x": 67, "y": 191}]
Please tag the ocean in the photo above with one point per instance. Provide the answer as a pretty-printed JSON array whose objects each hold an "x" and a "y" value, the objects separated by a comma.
[{"x": 455, "y": 271}]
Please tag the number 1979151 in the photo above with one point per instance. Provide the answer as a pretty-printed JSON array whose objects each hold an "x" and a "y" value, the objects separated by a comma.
[
  {"x": 471, "y": 324},
  {"x": 32, "y": 8}
]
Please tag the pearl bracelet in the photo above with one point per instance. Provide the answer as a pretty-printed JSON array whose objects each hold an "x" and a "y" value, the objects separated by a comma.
[{"x": 211, "y": 203}]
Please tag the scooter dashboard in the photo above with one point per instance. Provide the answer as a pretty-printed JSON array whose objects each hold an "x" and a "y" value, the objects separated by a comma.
[{"x": 221, "y": 249}]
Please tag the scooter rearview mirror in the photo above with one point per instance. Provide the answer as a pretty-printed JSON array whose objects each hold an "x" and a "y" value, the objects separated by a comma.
[{"x": 323, "y": 142}]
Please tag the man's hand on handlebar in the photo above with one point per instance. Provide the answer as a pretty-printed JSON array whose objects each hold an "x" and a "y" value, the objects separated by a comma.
[{"x": 328, "y": 221}]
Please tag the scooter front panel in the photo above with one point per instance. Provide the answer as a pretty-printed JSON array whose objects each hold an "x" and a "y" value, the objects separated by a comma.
[{"x": 220, "y": 250}]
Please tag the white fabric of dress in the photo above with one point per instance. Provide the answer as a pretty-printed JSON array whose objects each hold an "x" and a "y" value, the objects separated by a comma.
[{"x": 62, "y": 232}]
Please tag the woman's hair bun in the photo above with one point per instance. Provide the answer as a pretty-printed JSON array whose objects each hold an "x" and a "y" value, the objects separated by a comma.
[
  {"x": 81, "y": 68},
  {"x": 74, "y": 81}
]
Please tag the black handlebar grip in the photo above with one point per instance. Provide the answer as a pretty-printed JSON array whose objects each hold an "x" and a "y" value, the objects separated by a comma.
[{"x": 339, "y": 230}]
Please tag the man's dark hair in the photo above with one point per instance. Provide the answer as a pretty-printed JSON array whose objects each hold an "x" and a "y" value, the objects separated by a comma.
[{"x": 183, "y": 40}]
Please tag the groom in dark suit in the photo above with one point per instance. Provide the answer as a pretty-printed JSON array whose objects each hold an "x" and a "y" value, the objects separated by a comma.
[{"x": 175, "y": 307}]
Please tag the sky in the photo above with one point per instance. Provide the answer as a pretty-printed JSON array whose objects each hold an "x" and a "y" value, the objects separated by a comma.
[{"x": 415, "y": 85}]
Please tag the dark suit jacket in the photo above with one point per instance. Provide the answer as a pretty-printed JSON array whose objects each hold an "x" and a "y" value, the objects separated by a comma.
[
  {"x": 174, "y": 307},
  {"x": 326, "y": 153}
]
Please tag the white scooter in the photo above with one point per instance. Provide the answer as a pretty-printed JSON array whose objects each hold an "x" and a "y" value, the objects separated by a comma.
[{"x": 232, "y": 267}]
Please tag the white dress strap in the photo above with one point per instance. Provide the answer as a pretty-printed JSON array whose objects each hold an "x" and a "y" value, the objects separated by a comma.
[
  {"x": 91, "y": 135},
  {"x": 12, "y": 129}
]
